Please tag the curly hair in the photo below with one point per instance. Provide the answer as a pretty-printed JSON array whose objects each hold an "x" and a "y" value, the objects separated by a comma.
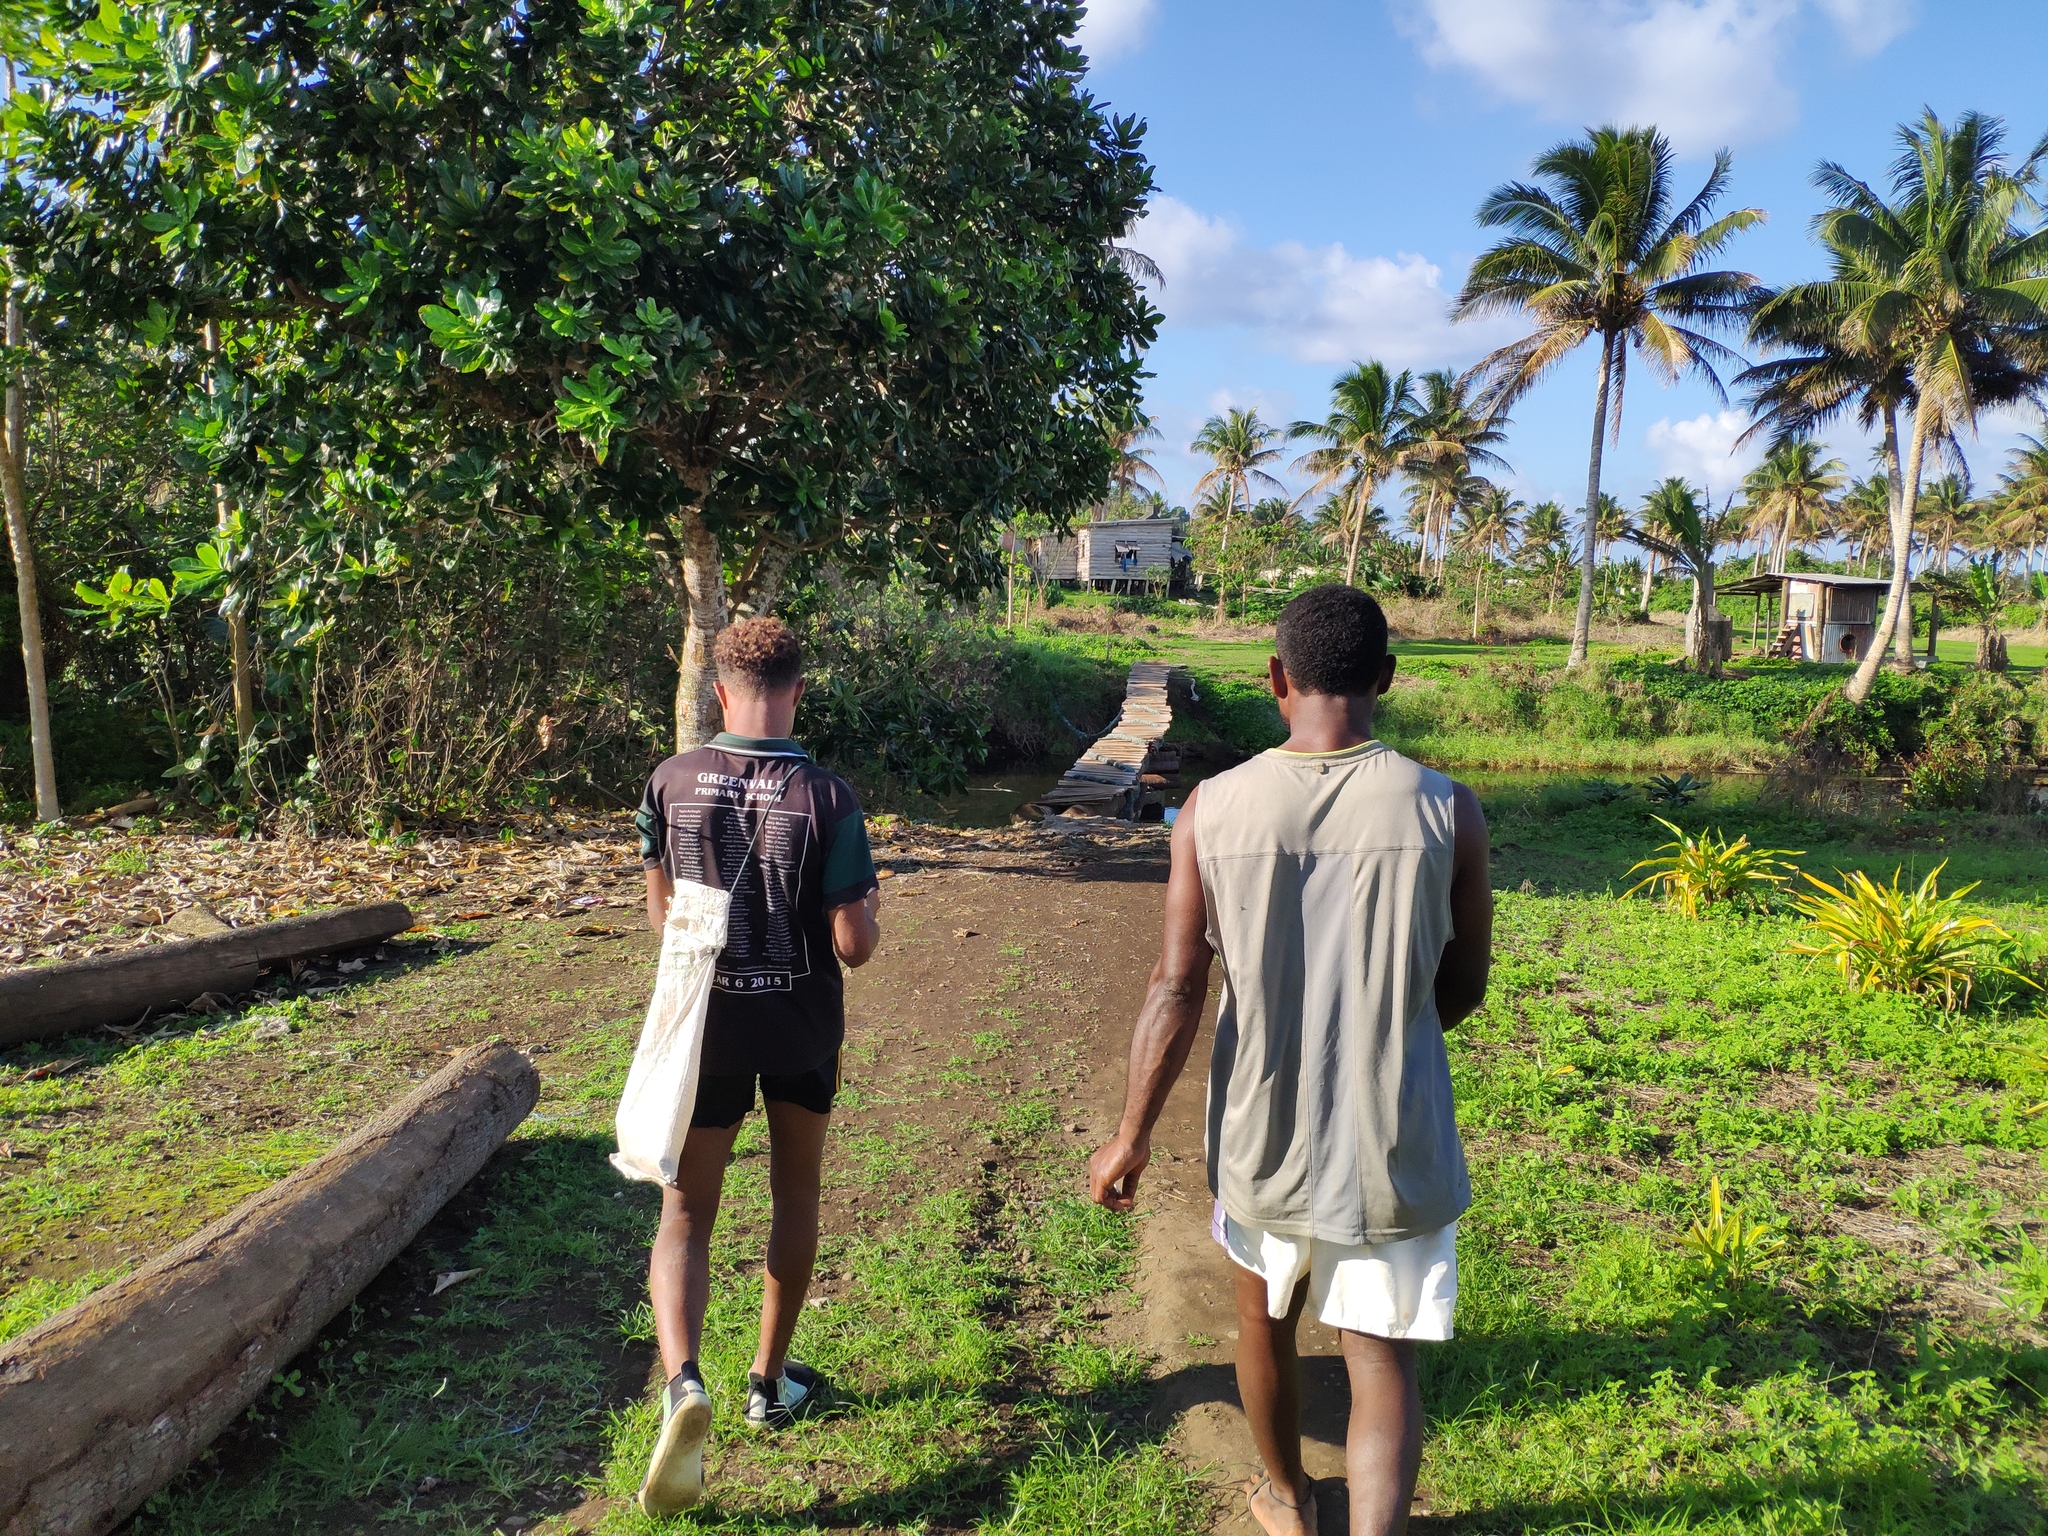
[
  {"x": 758, "y": 655},
  {"x": 1333, "y": 640}
]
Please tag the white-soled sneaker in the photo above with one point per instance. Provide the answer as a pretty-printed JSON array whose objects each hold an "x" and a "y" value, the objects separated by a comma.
[
  {"x": 675, "y": 1473},
  {"x": 780, "y": 1403}
]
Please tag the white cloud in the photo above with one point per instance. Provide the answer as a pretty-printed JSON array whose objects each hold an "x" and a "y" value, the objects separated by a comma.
[
  {"x": 1314, "y": 304},
  {"x": 1705, "y": 71},
  {"x": 1704, "y": 450},
  {"x": 1867, "y": 25},
  {"x": 1110, "y": 28}
]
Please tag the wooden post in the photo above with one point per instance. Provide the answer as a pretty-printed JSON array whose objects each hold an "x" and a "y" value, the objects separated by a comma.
[{"x": 109, "y": 1400}]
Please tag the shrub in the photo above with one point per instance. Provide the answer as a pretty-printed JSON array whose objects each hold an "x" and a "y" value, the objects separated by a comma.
[
  {"x": 1732, "y": 1251},
  {"x": 898, "y": 687},
  {"x": 1884, "y": 939},
  {"x": 1976, "y": 753},
  {"x": 1700, "y": 870}
]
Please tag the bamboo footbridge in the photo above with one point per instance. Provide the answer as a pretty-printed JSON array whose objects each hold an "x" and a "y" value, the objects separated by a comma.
[{"x": 1130, "y": 761}]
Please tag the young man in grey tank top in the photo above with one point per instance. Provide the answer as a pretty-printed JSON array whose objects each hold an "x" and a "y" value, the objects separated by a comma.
[{"x": 1345, "y": 890}]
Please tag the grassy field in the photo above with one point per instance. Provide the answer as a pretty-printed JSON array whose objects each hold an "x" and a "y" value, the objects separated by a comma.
[{"x": 1883, "y": 1371}]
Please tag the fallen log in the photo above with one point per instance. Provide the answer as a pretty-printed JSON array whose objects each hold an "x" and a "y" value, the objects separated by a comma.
[
  {"x": 104, "y": 1403},
  {"x": 43, "y": 1001}
]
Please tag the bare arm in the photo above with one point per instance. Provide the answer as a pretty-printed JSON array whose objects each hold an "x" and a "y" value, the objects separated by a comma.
[
  {"x": 659, "y": 889},
  {"x": 855, "y": 931},
  {"x": 1165, "y": 1031},
  {"x": 1461, "y": 973}
]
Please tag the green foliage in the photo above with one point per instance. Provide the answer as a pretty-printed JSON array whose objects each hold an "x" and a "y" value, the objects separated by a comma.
[
  {"x": 1976, "y": 753},
  {"x": 1884, "y": 939},
  {"x": 899, "y": 689},
  {"x": 1674, "y": 793},
  {"x": 862, "y": 296},
  {"x": 1733, "y": 1251},
  {"x": 1700, "y": 870}
]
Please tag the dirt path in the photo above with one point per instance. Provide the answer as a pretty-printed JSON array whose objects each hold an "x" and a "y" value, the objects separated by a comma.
[{"x": 1188, "y": 1322}]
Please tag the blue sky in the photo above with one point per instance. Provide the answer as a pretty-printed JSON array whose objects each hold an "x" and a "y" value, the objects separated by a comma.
[{"x": 1318, "y": 163}]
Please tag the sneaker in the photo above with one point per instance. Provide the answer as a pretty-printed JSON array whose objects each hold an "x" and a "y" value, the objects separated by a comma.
[
  {"x": 780, "y": 1403},
  {"x": 675, "y": 1473}
]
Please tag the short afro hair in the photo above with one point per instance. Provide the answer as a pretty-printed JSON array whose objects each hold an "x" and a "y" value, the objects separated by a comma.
[
  {"x": 758, "y": 655},
  {"x": 1333, "y": 640}
]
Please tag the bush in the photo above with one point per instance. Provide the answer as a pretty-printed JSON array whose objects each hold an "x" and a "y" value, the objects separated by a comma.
[
  {"x": 1977, "y": 754},
  {"x": 897, "y": 688}
]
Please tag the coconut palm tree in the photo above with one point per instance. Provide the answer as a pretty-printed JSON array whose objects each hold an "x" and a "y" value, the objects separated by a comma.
[
  {"x": 1946, "y": 514},
  {"x": 1678, "y": 524},
  {"x": 1370, "y": 435},
  {"x": 1133, "y": 464},
  {"x": 1239, "y": 446},
  {"x": 1935, "y": 302},
  {"x": 2022, "y": 501},
  {"x": 1788, "y": 498},
  {"x": 1600, "y": 248},
  {"x": 1546, "y": 551},
  {"x": 1863, "y": 518},
  {"x": 1454, "y": 440},
  {"x": 1487, "y": 523}
]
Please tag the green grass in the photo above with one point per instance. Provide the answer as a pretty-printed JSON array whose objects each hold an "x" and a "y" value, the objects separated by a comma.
[{"x": 1888, "y": 1375}]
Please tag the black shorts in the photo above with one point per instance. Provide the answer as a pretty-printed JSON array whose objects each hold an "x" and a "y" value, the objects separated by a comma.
[{"x": 726, "y": 1101}]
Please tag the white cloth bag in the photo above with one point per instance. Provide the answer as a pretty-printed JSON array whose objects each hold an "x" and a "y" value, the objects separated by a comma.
[{"x": 661, "y": 1087}]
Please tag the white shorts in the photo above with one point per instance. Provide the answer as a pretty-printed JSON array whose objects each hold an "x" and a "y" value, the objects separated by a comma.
[{"x": 1400, "y": 1290}]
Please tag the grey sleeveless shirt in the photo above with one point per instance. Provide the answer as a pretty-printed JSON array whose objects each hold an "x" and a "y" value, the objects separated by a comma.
[{"x": 1328, "y": 881}]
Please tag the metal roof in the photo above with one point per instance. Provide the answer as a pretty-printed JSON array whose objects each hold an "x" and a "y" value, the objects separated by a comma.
[{"x": 1770, "y": 580}]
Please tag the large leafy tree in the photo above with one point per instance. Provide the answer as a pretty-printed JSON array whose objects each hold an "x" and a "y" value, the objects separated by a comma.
[
  {"x": 1238, "y": 446},
  {"x": 1371, "y": 433},
  {"x": 1600, "y": 249},
  {"x": 761, "y": 279},
  {"x": 1937, "y": 301}
]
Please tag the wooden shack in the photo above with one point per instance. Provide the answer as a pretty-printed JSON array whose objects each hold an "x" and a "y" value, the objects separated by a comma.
[
  {"x": 1818, "y": 616},
  {"x": 1116, "y": 554}
]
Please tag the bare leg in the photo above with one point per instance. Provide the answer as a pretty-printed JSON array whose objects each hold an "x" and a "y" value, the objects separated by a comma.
[
  {"x": 679, "y": 1270},
  {"x": 796, "y": 1154},
  {"x": 1269, "y": 1381},
  {"x": 1384, "y": 1447}
]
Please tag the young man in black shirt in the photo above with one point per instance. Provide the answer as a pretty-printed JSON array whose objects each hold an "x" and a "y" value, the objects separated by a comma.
[{"x": 749, "y": 811}]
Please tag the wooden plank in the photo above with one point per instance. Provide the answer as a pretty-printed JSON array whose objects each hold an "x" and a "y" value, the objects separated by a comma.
[
  {"x": 42, "y": 1001},
  {"x": 110, "y": 1399},
  {"x": 1110, "y": 768}
]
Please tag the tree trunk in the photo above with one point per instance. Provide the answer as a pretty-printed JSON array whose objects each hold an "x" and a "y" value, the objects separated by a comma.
[
  {"x": 698, "y": 717},
  {"x": 1706, "y": 642},
  {"x": 1360, "y": 502},
  {"x": 242, "y": 670},
  {"x": 1649, "y": 580},
  {"x": 1902, "y": 637},
  {"x": 14, "y": 483},
  {"x": 41, "y": 1002},
  {"x": 112, "y": 1398},
  {"x": 1223, "y": 548},
  {"x": 1478, "y": 599},
  {"x": 1582, "y": 622},
  {"x": 1897, "y": 594}
]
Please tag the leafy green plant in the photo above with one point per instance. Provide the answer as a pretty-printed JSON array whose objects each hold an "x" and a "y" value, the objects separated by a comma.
[
  {"x": 1882, "y": 938},
  {"x": 1732, "y": 1249},
  {"x": 1698, "y": 870},
  {"x": 1678, "y": 792}
]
